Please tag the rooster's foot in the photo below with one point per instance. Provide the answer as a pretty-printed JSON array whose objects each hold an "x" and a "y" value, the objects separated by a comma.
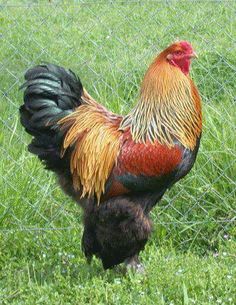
[{"x": 133, "y": 264}]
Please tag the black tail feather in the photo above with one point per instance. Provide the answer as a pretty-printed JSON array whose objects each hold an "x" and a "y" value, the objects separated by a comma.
[{"x": 50, "y": 93}]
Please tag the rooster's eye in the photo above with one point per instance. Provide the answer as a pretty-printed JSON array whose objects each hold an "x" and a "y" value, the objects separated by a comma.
[{"x": 178, "y": 52}]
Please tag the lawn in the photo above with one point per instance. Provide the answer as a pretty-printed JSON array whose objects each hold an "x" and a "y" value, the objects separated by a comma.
[{"x": 191, "y": 257}]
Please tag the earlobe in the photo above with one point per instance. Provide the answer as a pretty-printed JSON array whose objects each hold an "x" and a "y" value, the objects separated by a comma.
[{"x": 169, "y": 57}]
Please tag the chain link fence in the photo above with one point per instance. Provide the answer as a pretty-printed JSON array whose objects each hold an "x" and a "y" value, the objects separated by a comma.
[{"x": 109, "y": 44}]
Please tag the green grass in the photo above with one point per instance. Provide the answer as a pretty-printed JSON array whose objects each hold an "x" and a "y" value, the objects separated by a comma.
[
  {"x": 57, "y": 274},
  {"x": 190, "y": 258}
]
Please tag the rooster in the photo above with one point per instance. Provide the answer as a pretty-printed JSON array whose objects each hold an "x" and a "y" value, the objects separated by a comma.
[{"x": 116, "y": 167}]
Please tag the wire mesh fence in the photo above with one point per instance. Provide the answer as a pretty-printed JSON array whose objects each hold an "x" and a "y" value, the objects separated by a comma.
[{"x": 109, "y": 44}]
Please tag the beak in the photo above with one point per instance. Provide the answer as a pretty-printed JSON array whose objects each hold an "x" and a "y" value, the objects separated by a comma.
[{"x": 193, "y": 55}]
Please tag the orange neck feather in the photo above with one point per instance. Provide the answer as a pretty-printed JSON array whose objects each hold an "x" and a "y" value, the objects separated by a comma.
[{"x": 169, "y": 107}]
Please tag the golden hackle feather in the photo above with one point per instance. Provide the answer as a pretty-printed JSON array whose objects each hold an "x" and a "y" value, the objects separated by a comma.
[
  {"x": 169, "y": 108},
  {"x": 94, "y": 136}
]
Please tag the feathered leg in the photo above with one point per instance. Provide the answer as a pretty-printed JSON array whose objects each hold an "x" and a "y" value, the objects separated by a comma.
[{"x": 115, "y": 230}]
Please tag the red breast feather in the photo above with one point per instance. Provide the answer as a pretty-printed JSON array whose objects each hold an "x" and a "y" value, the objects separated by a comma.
[{"x": 147, "y": 159}]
